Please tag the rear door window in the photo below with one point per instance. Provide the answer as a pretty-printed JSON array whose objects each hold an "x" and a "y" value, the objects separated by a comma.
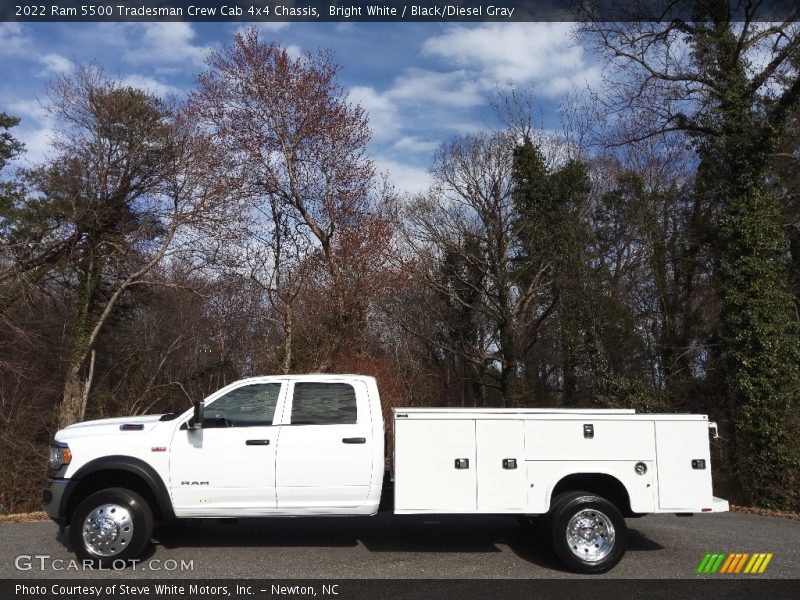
[{"x": 315, "y": 403}]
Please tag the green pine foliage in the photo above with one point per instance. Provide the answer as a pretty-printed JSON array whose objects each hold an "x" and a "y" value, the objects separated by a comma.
[
  {"x": 10, "y": 148},
  {"x": 554, "y": 204}
]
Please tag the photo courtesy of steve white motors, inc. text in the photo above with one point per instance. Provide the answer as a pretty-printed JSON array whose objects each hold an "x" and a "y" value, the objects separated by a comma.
[{"x": 194, "y": 590}]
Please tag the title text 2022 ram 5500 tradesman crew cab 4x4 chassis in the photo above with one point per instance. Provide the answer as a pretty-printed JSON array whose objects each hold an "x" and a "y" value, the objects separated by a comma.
[{"x": 314, "y": 445}]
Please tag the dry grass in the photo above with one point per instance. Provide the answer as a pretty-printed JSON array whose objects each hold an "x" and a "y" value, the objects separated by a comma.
[
  {"x": 765, "y": 512},
  {"x": 24, "y": 517}
]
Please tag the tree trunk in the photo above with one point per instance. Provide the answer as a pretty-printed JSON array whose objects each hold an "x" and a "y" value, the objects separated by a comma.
[
  {"x": 288, "y": 333},
  {"x": 75, "y": 385},
  {"x": 87, "y": 387}
]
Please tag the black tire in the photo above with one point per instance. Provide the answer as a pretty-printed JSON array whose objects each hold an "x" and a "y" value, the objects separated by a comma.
[
  {"x": 136, "y": 520},
  {"x": 587, "y": 508}
]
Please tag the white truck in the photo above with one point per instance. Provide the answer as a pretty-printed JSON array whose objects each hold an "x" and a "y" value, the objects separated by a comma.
[{"x": 314, "y": 445}]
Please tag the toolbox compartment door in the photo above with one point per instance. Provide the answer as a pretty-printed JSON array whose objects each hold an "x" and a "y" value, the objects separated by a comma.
[
  {"x": 427, "y": 474},
  {"x": 501, "y": 465},
  {"x": 682, "y": 484}
]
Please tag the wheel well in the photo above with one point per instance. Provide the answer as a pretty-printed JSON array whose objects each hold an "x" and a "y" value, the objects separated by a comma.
[
  {"x": 607, "y": 486},
  {"x": 100, "y": 480}
]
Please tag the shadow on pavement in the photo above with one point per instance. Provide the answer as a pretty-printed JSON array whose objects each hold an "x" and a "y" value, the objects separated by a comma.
[
  {"x": 381, "y": 533},
  {"x": 639, "y": 542}
]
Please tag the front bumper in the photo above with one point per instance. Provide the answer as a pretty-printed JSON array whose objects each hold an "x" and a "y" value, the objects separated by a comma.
[{"x": 54, "y": 499}]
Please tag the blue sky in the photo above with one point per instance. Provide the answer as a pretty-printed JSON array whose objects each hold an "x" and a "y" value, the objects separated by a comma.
[{"x": 420, "y": 82}]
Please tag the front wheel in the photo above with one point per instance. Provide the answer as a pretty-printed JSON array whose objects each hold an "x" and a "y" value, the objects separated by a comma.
[
  {"x": 588, "y": 532},
  {"x": 111, "y": 525}
]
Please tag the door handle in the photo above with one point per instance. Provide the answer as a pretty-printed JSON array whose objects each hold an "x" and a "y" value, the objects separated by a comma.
[
  {"x": 354, "y": 440},
  {"x": 257, "y": 442}
]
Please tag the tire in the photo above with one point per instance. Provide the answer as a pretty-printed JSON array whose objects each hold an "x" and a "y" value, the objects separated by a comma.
[
  {"x": 588, "y": 533},
  {"x": 111, "y": 525}
]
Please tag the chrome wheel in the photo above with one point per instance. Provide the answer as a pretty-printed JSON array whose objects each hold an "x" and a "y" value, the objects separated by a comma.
[
  {"x": 107, "y": 530},
  {"x": 590, "y": 535}
]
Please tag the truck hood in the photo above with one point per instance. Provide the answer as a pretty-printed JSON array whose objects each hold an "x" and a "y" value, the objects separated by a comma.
[{"x": 108, "y": 427}]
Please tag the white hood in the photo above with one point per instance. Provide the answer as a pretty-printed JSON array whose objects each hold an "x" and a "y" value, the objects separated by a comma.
[{"x": 108, "y": 427}]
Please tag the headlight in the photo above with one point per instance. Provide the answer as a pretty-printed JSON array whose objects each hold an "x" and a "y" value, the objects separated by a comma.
[{"x": 60, "y": 455}]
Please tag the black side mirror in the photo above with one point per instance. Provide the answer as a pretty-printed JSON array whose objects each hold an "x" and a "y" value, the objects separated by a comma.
[{"x": 199, "y": 415}]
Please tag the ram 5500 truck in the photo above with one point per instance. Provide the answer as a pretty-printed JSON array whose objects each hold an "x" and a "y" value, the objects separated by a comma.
[{"x": 314, "y": 445}]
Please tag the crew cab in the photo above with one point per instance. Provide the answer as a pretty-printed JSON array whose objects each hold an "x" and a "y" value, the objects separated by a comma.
[{"x": 298, "y": 445}]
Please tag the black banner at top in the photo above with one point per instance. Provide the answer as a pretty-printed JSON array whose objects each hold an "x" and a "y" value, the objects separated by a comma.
[{"x": 397, "y": 11}]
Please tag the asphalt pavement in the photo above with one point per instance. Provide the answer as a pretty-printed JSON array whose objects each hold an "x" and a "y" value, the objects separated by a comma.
[{"x": 397, "y": 546}]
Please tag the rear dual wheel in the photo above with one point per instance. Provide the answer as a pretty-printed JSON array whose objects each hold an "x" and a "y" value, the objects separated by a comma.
[{"x": 588, "y": 533}]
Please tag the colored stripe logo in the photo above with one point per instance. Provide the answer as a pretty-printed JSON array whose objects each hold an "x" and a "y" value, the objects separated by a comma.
[{"x": 734, "y": 563}]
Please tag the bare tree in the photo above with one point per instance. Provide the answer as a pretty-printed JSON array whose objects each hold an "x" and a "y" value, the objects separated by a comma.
[
  {"x": 279, "y": 261},
  {"x": 685, "y": 75},
  {"x": 287, "y": 126}
]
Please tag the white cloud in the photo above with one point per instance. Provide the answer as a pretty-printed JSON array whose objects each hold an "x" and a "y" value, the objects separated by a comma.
[
  {"x": 414, "y": 144},
  {"x": 37, "y": 144},
  {"x": 13, "y": 39},
  {"x": 294, "y": 51},
  {"x": 161, "y": 47},
  {"x": 455, "y": 88},
  {"x": 164, "y": 43},
  {"x": 267, "y": 29},
  {"x": 442, "y": 97},
  {"x": 383, "y": 117},
  {"x": 543, "y": 53},
  {"x": 273, "y": 26},
  {"x": 55, "y": 63},
  {"x": 465, "y": 65},
  {"x": 390, "y": 113},
  {"x": 150, "y": 85},
  {"x": 406, "y": 178},
  {"x": 345, "y": 27},
  {"x": 36, "y": 129},
  {"x": 168, "y": 71},
  {"x": 28, "y": 109}
]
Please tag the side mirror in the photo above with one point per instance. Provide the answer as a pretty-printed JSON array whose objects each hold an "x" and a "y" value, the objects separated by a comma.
[{"x": 199, "y": 415}]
